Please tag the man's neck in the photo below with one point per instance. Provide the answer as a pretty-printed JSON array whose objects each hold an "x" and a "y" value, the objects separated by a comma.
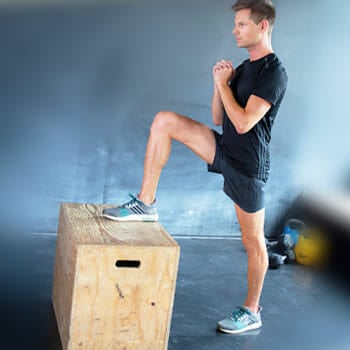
[{"x": 260, "y": 50}]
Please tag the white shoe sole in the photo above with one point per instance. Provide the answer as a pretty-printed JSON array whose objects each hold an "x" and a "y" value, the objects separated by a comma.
[
  {"x": 147, "y": 218},
  {"x": 237, "y": 331}
]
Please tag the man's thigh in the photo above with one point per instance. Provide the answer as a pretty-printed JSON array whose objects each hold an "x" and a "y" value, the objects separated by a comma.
[{"x": 196, "y": 136}]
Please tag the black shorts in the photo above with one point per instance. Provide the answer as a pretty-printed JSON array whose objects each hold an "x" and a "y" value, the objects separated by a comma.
[{"x": 246, "y": 192}]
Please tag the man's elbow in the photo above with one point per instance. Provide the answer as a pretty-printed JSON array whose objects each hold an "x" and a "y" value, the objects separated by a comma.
[
  {"x": 240, "y": 122},
  {"x": 217, "y": 119},
  {"x": 242, "y": 128},
  {"x": 217, "y": 122},
  {"x": 245, "y": 124}
]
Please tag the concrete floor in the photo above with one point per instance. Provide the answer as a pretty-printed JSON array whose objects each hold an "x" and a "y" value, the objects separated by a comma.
[{"x": 302, "y": 308}]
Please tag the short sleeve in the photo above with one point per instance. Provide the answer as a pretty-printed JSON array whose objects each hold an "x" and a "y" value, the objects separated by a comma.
[{"x": 271, "y": 84}]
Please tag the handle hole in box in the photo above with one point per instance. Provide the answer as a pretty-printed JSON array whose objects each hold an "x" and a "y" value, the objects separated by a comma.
[{"x": 135, "y": 264}]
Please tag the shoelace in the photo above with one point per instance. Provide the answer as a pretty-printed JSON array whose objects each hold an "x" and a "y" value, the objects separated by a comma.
[
  {"x": 131, "y": 203},
  {"x": 134, "y": 202},
  {"x": 238, "y": 315}
]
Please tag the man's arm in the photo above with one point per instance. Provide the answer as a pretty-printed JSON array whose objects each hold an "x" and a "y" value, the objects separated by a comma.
[
  {"x": 217, "y": 107},
  {"x": 242, "y": 118}
]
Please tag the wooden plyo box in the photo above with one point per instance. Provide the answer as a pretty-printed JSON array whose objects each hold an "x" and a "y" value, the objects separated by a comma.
[{"x": 114, "y": 283}]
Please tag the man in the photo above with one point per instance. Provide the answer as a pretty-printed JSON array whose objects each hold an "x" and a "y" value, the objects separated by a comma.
[{"x": 245, "y": 102}]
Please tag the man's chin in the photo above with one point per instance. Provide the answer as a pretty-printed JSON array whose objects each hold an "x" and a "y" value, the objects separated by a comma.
[{"x": 240, "y": 43}]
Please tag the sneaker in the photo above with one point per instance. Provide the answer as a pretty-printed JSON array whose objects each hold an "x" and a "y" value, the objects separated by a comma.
[
  {"x": 241, "y": 320},
  {"x": 134, "y": 210}
]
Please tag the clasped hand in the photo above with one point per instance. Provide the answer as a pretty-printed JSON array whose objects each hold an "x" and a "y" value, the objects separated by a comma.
[{"x": 223, "y": 72}]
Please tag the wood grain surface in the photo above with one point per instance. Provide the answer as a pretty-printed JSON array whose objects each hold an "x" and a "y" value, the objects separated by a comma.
[{"x": 99, "y": 305}]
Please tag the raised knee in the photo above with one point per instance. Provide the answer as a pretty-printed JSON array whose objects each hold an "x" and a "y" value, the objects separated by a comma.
[{"x": 162, "y": 121}]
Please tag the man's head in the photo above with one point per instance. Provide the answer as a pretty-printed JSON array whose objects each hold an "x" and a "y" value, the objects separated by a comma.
[
  {"x": 259, "y": 10},
  {"x": 254, "y": 19}
]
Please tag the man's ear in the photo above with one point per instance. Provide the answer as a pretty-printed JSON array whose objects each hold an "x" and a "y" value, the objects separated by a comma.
[{"x": 264, "y": 25}]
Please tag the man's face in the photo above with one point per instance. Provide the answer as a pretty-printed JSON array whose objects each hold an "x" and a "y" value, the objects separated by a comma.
[{"x": 247, "y": 33}]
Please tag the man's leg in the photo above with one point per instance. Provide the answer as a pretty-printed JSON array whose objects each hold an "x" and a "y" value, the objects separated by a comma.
[
  {"x": 247, "y": 317},
  {"x": 169, "y": 126},
  {"x": 252, "y": 227},
  {"x": 166, "y": 126}
]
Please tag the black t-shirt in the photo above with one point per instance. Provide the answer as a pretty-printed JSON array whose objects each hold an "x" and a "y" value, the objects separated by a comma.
[{"x": 249, "y": 152}]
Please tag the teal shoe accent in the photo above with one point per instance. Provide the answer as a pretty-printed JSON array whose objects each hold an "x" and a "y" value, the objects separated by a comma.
[
  {"x": 134, "y": 210},
  {"x": 241, "y": 320}
]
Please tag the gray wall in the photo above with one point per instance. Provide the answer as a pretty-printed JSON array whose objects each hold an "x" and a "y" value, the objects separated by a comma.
[{"x": 82, "y": 80}]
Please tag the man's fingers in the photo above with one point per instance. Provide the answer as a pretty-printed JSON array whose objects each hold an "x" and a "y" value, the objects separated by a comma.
[
  {"x": 226, "y": 62},
  {"x": 223, "y": 65},
  {"x": 220, "y": 68}
]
